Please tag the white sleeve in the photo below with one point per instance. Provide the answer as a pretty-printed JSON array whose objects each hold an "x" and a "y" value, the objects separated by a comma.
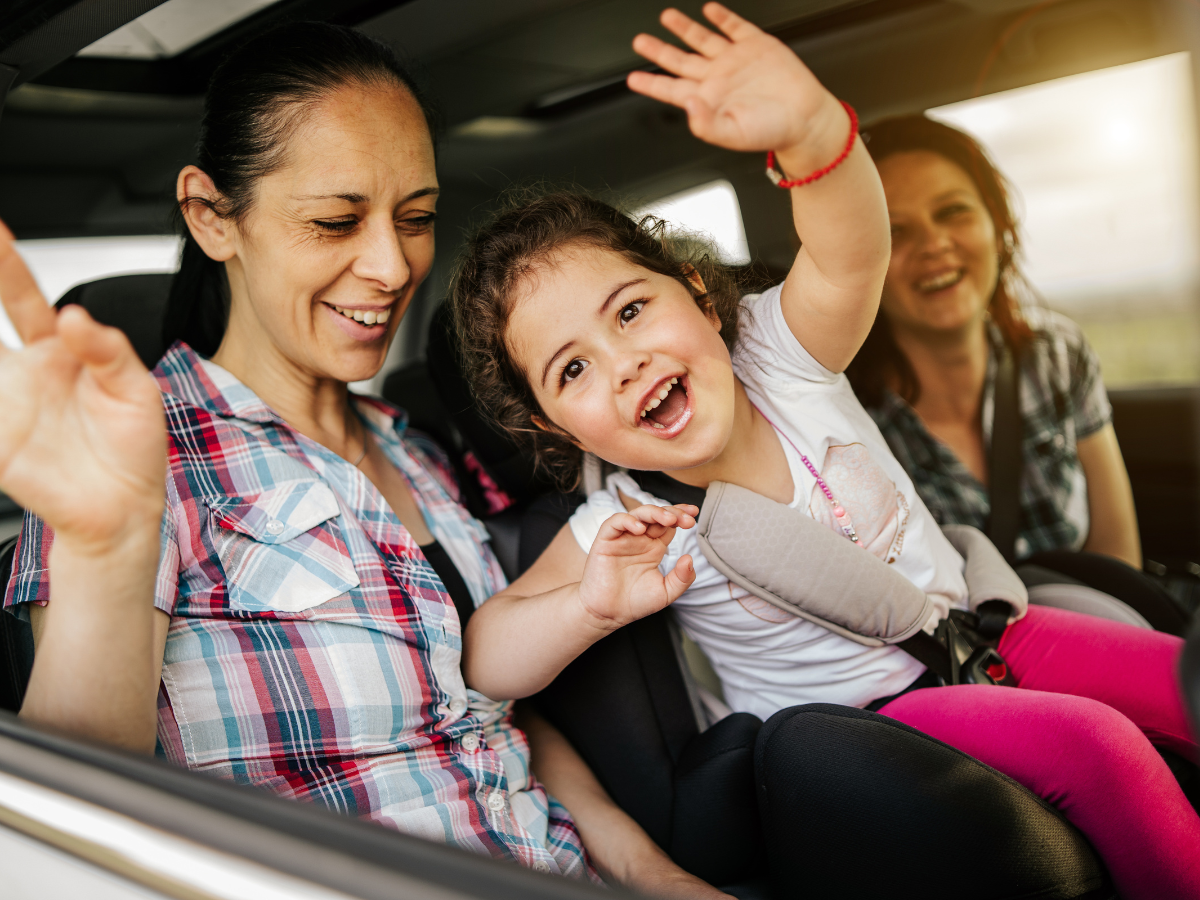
[
  {"x": 767, "y": 347},
  {"x": 586, "y": 521}
]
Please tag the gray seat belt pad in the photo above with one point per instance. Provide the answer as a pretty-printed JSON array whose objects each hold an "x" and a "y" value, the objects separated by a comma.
[
  {"x": 988, "y": 575},
  {"x": 783, "y": 556}
]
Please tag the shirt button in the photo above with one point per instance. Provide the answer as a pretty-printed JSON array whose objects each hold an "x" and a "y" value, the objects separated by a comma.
[
  {"x": 495, "y": 801},
  {"x": 458, "y": 706},
  {"x": 541, "y": 866},
  {"x": 1059, "y": 440},
  {"x": 470, "y": 743},
  {"x": 275, "y": 526}
]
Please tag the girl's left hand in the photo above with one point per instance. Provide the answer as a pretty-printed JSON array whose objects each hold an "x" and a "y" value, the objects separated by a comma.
[{"x": 742, "y": 89}]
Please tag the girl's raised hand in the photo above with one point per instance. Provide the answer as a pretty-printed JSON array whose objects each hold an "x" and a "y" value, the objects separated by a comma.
[
  {"x": 82, "y": 430},
  {"x": 742, "y": 89},
  {"x": 621, "y": 582}
]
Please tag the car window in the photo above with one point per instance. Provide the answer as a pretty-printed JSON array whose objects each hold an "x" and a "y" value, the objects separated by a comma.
[
  {"x": 172, "y": 27},
  {"x": 710, "y": 211},
  {"x": 59, "y": 264},
  {"x": 1105, "y": 165}
]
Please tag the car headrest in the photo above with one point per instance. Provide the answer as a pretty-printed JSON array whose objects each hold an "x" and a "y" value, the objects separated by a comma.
[
  {"x": 134, "y": 303},
  {"x": 509, "y": 465}
]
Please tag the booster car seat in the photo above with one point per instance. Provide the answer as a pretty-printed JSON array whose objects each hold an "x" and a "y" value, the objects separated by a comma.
[{"x": 886, "y": 810}]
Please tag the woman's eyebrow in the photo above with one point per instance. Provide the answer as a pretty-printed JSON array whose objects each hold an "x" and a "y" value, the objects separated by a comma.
[
  {"x": 349, "y": 198},
  {"x": 362, "y": 198},
  {"x": 953, "y": 192}
]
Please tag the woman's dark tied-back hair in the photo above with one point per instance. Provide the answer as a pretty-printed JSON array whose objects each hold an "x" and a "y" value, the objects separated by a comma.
[
  {"x": 256, "y": 100},
  {"x": 881, "y": 363},
  {"x": 529, "y": 229}
]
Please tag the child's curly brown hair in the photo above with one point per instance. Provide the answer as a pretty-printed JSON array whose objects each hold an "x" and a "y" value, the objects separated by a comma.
[{"x": 528, "y": 228}]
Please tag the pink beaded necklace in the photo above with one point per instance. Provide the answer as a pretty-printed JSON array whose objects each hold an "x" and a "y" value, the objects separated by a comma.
[{"x": 839, "y": 511}]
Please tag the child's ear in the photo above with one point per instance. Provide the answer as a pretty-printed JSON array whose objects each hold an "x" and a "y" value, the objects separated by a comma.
[
  {"x": 697, "y": 282},
  {"x": 542, "y": 424},
  {"x": 694, "y": 279}
]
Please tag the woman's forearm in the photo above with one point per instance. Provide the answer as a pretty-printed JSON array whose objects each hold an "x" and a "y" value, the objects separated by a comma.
[
  {"x": 100, "y": 644},
  {"x": 1113, "y": 528}
]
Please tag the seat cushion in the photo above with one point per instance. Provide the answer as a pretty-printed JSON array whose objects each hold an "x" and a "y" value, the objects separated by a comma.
[{"x": 857, "y": 805}]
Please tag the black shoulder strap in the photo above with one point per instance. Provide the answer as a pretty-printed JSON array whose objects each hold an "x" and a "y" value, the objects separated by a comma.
[{"x": 1005, "y": 457}]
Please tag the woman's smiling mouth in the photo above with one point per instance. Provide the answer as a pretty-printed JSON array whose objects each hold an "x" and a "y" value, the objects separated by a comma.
[
  {"x": 365, "y": 325},
  {"x": 941, "y": 281},
  {"x": 366, "y": 316}
]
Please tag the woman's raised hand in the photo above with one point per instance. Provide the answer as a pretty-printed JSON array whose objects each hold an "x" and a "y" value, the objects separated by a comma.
[
  {"x": 742, "y": 89},
  {"x": 621, "y": 582},
  {"x": 82, "y": 431}
]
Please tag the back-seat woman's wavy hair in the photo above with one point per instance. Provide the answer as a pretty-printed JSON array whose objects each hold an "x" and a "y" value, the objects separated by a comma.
[
  {"x": 256, "y": 100},
  {"x": 530, "y": 227},
  {"x": 881, "y": 363}
]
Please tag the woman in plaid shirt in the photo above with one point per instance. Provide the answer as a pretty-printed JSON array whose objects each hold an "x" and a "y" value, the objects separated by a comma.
[
  {"x": 927, "y": 372},
  {"x": 290, "y": 621}
]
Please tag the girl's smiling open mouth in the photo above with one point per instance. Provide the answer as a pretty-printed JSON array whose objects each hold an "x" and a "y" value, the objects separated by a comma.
[{"x": 666, "y": 408}]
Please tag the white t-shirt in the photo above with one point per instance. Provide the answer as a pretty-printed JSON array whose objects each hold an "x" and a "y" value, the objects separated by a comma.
[{"x": 766, "y": 658}]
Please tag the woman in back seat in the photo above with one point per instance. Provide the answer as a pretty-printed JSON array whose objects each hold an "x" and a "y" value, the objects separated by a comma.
[
  {"x": 293, "y": 615},
  {"x": 927, "y": 372}
]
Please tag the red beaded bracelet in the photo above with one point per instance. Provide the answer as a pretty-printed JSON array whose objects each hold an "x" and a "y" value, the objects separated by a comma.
[{"x": 777, "y": 177}]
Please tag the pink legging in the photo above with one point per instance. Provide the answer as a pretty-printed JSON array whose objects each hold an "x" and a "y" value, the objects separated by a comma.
[{"x": 1092, "y": 696}]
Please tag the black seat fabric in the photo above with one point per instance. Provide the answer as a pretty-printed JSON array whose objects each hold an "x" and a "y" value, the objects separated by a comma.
[
  {"x": 624, "y": 705},
  {"x": 857, "y": 805},
  {"x": 134, "y": 303},
  {"x": 512, "y": 467}
]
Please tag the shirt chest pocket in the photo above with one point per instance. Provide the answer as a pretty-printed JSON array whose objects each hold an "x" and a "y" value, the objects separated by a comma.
[{"x": 282, "y": 550}]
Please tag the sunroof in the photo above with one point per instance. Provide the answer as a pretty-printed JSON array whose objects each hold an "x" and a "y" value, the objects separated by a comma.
[{"x": 173, "y": 27}]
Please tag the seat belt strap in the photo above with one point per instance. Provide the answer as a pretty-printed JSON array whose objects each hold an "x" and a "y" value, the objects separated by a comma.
[{"x": 1005, "y": 456}]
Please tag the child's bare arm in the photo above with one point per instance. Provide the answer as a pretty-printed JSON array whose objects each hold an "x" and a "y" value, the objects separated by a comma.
[
  {"x": 517, "y": 642},
  {"x": 745, "y": 90}
]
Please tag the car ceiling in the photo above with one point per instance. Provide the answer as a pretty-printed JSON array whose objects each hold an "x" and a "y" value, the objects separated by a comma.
[{"x": 528, "y": 89}]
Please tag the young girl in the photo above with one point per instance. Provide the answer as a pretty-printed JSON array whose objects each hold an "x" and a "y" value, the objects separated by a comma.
[{"x": 584, "y": 332}]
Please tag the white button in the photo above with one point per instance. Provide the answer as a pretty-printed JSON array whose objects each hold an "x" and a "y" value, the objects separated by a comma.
[
  {"x": 458, "y": 706},
  {"x": 1059, "y": 440},
  {"x": 495, "y": 801},
  {"x": 541, "y": 866},
  {"x": 275, "y": 526},
  {"x": 470, "y": 743}
]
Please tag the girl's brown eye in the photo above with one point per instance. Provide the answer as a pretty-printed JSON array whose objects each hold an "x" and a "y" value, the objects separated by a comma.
[
  {"x": 573, "y": 370},
  {"x": 630, "y": 311}
]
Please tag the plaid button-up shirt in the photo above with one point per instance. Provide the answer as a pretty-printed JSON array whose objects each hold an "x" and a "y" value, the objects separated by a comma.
[
  {"x": 1062, "y": 400},
  {"x": 312, "y": 650}
]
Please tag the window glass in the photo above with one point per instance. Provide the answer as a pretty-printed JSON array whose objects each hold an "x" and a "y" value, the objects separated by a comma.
[
  {"x": 1104, "y": 167},
  {"x": 711, "y": 211},
  {"x": 172, "y": 27},
  {"x": 60, "y": 264}
]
